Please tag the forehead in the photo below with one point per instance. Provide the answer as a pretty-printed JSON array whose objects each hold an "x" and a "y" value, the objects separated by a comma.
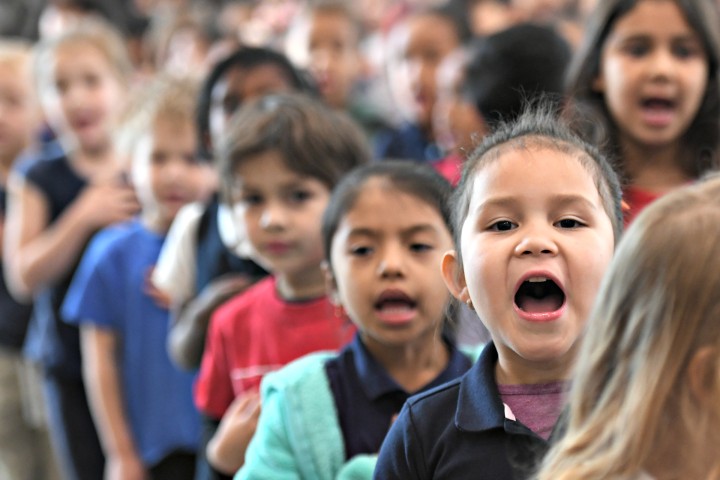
[
  {"x": 653, "y": 17},
  {"x": 371, "y": 209},
  {"x": 248, "y": 83},
  {"x": 533, "y": 173},
  {"x": 431, "y": 32},
  {"x": 266, "y": 169}
]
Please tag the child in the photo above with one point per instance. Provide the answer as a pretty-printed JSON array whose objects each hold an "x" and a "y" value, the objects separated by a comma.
[
  {"x": 24, "y": 443},
  {"x": 55, "y": 205},
  {"x": 327, "y": 40},
  {"x": 382, "y": 270},
  {"x": 500, "y": 73},
  {"x": 536, "y": 216},
  {"x": 141, "y": 403},
  {"x": 280, "y": 159},
  {"x": 647, "y": 74},
  {"x": 645, "y": 401},
  {"x": 430, "y": 36},
  {"x": 203, "y": 262}
]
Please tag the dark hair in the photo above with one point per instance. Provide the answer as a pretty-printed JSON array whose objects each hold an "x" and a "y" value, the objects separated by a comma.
[
  {"x": 539, "y": 127},
  {"x": 418, "y": 180},
  {"x": 519, "y": 63},
  {"x": 246, "y": 58},
  {"x": 702, "y": 138},
  {"x": 312, "y": 139}
]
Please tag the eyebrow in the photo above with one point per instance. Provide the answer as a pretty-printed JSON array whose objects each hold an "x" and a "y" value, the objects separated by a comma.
[
  {"x": 372, "y": 233},
  {"x": 556, "y": 200}
]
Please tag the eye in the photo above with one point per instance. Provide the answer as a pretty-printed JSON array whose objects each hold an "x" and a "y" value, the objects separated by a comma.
[
  {"x": 251, "y": 199},
  {"x": 360, "y": 250},
  {"x": 419, "y": 247},
  {"x": 637, "y": 49},
  {"x": 569, "y": 223},
  {"x": 502, "y": 226},
  {"x": 299, "y": 196},
  {"x": 685, "y": 50}
]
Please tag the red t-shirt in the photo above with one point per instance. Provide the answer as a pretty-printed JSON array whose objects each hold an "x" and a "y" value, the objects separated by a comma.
[
  {"x": 258, "y": 332},
  {"x": 450, "y": 167},
  {"x": 636, "y": 200}
]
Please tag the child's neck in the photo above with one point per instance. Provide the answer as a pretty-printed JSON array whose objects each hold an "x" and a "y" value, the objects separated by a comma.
[
  {"x": 5, "y": 166},
  {"x": 95, "y": 163},
  {"x": 412, "y": 365},
  {"x": 155, "y": 221},
  {"x": 653, "y": 169},
  {"x": 512, "y": 369},
  {"x": 305, "y": 285}
]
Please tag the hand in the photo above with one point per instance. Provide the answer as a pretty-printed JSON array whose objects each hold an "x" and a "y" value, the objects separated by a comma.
[
  {"x": 226, "y": 450},
  {"x": 124, "y": 467},
  {"x": 105, "y": 203},
  {"x": 160, "y": 298}
]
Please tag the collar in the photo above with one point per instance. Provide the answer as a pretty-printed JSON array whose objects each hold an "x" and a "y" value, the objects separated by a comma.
[
  {"x": 479, "y": 405},
  {"x": 375, "y": 381}
]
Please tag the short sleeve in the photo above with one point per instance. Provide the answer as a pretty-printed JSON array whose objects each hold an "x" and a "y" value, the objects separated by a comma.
[
  {"x": 213, "y": 390},
  {"x": 92, "y": 296},
  {"x": 175, "y": 271}
]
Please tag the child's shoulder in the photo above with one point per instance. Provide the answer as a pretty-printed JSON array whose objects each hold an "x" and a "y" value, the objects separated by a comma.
[
  {"x": 118, "y": 238},
  {"x": 301, "y": 372}
]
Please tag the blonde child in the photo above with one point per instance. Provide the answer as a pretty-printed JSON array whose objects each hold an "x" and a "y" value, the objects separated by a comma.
[
  {"x": 382, "y": 272},
  {"x": 645, "y": 402},
  {"x": 141, "y": 403},
  {"x": 54, "y": 205},
  {"x": 536, "y": 216},
  {"x": 280, "y": 158},
  {"x": 24, "y": 444},
  {"x": 646, "y": 82}
]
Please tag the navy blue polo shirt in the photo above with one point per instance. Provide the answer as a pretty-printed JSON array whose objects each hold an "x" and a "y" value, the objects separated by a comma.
[
  {"x": 367, "y": 398},
  {"x": 460, "y": 431}
]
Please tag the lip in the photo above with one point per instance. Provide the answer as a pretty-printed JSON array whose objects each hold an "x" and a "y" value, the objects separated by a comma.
[
  {"x": 277, "y": 248},
  {"x": 395, "y": 317},
  {"x": 544, "y": 316}
]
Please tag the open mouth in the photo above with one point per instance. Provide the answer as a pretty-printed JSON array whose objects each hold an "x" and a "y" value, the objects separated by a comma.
[
  {"x": 658, "y": 104},
  {"x": 395, "y": 306},
  {"x": 658, "y": 112},
  {"x": 539, "y": 295}
]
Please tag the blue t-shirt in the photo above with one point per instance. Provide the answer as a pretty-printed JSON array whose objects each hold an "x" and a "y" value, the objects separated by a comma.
[
  {"x": 108, "y": 291},
  {"x": 406, "y": 143},
  {"x": 367, "y": 398}
]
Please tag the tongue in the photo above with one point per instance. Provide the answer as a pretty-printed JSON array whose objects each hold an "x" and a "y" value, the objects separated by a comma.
[
  {"x": 658, "y": 115},
  {"x": 538, "y": 305},
  {"x": 394, "y": 306}
]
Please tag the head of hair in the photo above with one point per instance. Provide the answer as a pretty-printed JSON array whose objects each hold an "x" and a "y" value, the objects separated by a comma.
[
  {"x": 166, "y": 98},
  {"x": 538, "y": 128},
  {"x": 312, "y": 139},
  {"x": 245, "y": 58},
  {"x": 93, "y": 33},
  {"x": 658, "y": 305},
  {"x": 518, "y": 63},
  {"x": 341, "y": 8},
  {"x": 419, "y": 181},
  {"x": 702, "y": 138}
]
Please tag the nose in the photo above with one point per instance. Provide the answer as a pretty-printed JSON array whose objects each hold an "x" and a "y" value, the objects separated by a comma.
[
  {"x": 663, "y": 63},
  {"x": 273, "y": 217},
  {"x": 536, "y": 241},
  {"x": 391, "y": 263}
]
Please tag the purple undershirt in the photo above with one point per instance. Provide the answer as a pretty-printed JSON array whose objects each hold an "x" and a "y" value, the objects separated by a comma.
[{"x": 536, "y": 406}]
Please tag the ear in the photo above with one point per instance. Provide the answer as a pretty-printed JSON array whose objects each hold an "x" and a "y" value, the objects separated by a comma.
[
  {"x": 454, "y": 276},
  {"x": 703, "y": 376},
  {"x": 330, "y": 284}
]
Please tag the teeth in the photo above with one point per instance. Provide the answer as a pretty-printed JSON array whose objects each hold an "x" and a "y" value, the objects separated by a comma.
[{"x": 537, "y": 279}]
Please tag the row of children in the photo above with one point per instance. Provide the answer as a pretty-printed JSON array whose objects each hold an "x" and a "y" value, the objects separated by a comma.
[{"x": 280, "y": 164}]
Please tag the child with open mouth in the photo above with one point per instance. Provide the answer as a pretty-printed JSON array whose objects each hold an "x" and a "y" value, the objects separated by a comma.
[{"x": 536, "y": 217}]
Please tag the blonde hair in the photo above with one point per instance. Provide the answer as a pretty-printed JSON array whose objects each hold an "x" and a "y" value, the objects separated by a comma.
[
  {"x": 166, "y": 98},
  {"x": 15, "y": 55},
  {"x": 658, "y": 304},
  {"x": 92, "y": 32}
]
